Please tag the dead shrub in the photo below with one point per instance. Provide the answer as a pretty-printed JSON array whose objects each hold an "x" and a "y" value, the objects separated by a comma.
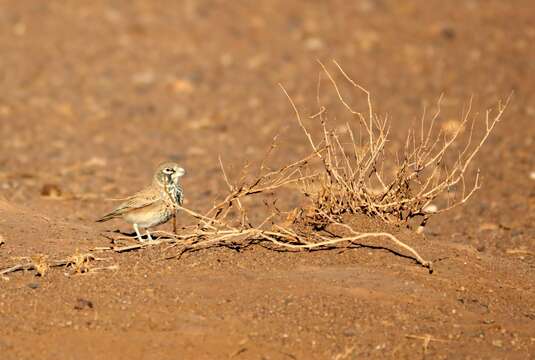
[
  {"x": 359, "y": 175},
  {"x": 349, "y": 174}
]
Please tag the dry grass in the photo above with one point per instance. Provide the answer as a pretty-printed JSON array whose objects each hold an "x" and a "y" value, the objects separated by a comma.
[{"x": 78, "y": 263}]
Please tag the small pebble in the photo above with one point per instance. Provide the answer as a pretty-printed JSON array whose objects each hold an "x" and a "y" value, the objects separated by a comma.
[
  {"x": 314, "y": 43},
  {"x": 83, "y": 304},
  {"x": 183, "y": 86},
  {"x": 532, "y": 175},
  {"x": 488, "y": 227},
  {"x": 51, "y": 191},
  {"x": 33, "y": 286},
  {"x": 144, "y": 78},
  {"x": 448, "y": 32}
]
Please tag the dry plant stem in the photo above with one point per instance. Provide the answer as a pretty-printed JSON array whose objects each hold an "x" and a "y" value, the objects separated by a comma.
[
  {"x": 345, "y": 355},
  {"x": 17, "y": 267},
  {"x": 358, "y": 236},
  {"x": 76, "y": 261},
  {"x": 358, "y": 184},
  {"x": 286, "y": 238},
  {"x": 243, "y": 216},
  {"x": 268, "y": 182},
  {"x": 426, "y": 340},
  {"x": 298, "y": 117},
  {"x": 136, "y": 246},
  {"x": 101, "y": 268}
]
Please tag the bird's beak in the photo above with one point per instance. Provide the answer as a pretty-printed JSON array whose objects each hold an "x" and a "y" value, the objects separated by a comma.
[{"x": 178, "y": 173}]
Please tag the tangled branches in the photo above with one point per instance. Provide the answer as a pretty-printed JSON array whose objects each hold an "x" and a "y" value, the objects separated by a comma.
[
  {"x": 348, "y": 179},
  {"x": 355, "y": 177}
]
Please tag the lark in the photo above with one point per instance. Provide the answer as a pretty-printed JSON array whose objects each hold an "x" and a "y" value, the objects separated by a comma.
[{"x": 153, "y": 205}]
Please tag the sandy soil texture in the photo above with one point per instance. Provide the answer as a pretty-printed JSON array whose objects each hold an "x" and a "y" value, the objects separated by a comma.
[{"x": 93, "y": 95}]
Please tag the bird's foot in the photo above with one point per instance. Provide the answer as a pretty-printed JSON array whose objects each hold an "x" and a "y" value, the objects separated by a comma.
[{"x": 148, "y": 239}]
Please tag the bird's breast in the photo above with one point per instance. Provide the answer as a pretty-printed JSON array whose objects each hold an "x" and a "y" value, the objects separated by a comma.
[{"x": 175, "y": 193}]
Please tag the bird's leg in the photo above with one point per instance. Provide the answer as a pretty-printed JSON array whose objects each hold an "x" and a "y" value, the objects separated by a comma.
[
  {"x": 136, "y": 228},
  {"x": 148, "y": 235}
]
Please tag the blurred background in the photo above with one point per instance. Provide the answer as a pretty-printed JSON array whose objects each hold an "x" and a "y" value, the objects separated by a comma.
[{"x": 94, "y": 94}]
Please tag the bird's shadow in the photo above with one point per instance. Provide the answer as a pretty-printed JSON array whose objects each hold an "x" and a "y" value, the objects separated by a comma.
[{"x": 133, "y": 234}]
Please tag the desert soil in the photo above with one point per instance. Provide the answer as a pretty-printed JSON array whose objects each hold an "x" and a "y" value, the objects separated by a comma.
[{"x": 93, "y": 95}]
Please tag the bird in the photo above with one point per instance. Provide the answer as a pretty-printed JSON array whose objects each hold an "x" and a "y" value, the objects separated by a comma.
[{"x": 155, "y": 204}]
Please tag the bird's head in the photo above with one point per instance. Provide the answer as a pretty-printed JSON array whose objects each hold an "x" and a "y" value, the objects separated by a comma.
[{"x": 168, "y": 172}]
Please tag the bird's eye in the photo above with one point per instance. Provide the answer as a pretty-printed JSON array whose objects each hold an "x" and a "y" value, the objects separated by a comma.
[{"x": 168, "y": 170}]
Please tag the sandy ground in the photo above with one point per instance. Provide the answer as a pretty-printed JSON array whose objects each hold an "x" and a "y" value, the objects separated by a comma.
[{"x": 95, "y": 94}]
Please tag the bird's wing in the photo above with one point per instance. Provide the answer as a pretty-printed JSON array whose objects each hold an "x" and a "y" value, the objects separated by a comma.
[{"x": 139, "y": 200}]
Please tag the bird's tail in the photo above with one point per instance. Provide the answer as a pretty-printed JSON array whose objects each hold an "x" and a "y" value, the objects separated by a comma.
[{"x": 107, "y": 217}]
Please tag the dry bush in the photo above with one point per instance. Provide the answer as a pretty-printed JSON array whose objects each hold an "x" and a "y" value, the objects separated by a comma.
[
  {"x": 360, "y": 176},
  {"x": 345, "y": 176}
]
